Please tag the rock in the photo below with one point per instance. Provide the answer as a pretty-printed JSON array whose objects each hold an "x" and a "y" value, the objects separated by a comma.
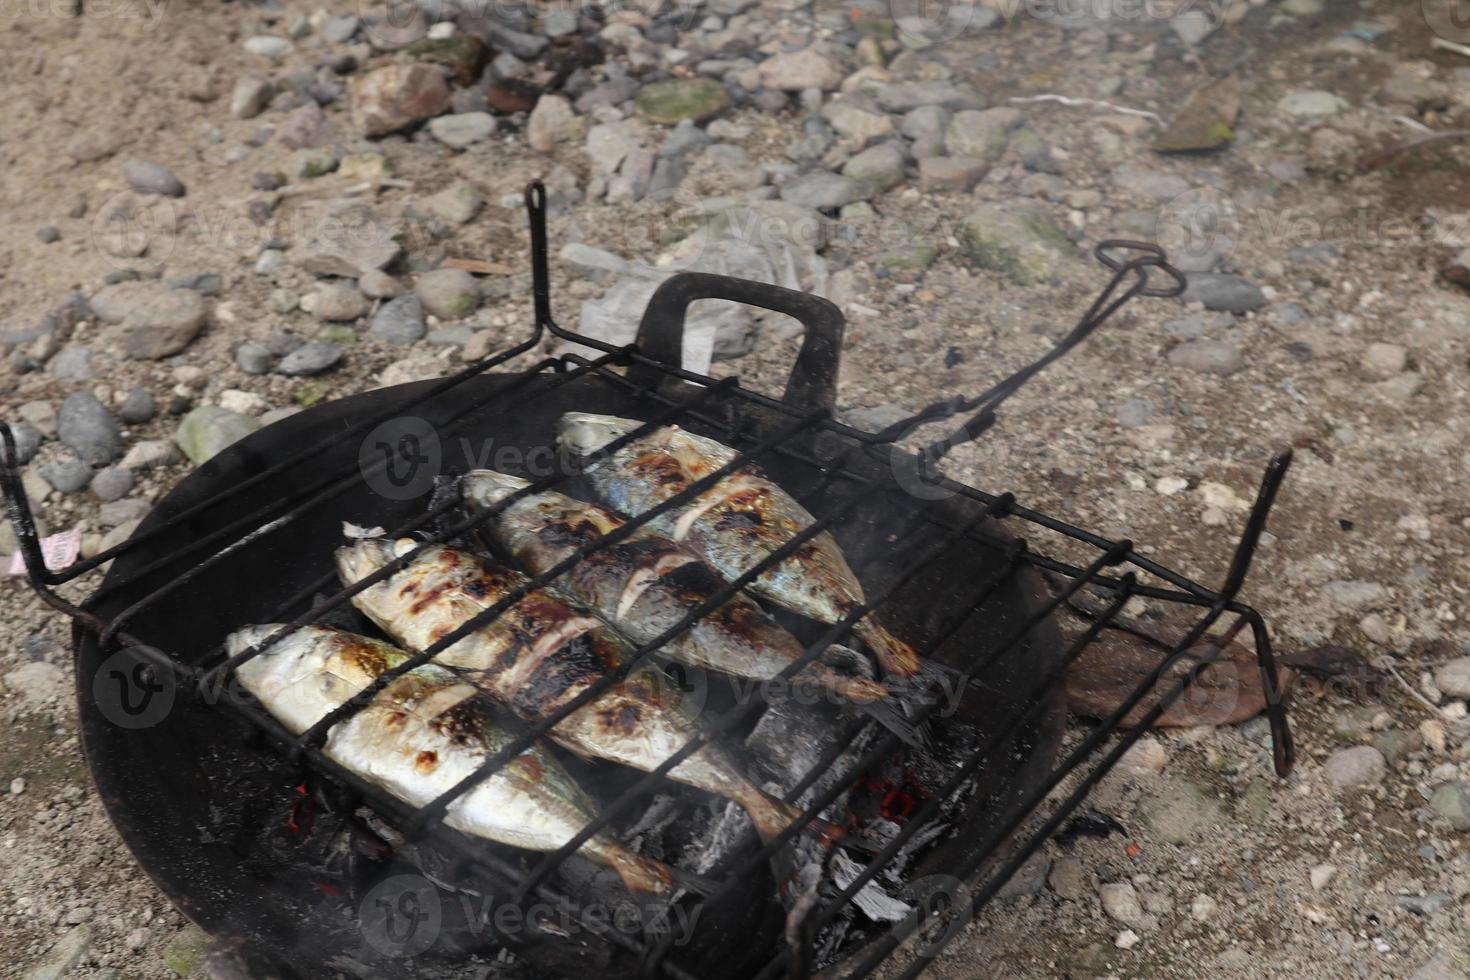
[
  {"x": 67, "y": 473},
  {"x": 1207, "y": 357},
  {"x": 877, "y": 169},
  {"x": 420, "y": 367},
  {"x": 1311, "y": 103},
  {"x": 253, "y": 358},
  {"x": 609, "y": 143},
  {"x": 1320, "y": 875},
  {"x": 550, "y": 123},
  {"x": 265, "y": 46},
  {"x": 337, "y": 302},
  {"x": 243, "y": 402},
  {"x": 305, "y": 128},
  {"x": 448, "y": 293},
  {"x": 1452, "y": 801},
  {"x": 399, "y": 322},
  {"x": 1218, "y": 291},
  {"x": 951, "y": 173},
  {"x": 1352, "y": 595},
  {"x": 1150, "y": 184},
  {"x": 377, "y": 284},
  {"x": 145, "y": 177},
  {"x": 47, "y": 234},
  {"x": 85, "y": 426},
  {"x": 519, "y": 43},
  {"x": 157, "y": 321},
  {"x": 823, "y": 190},
  {"x": 1027, "y": 880},
  {"x": 1068, "y": 880},
  {"x": 856, "y": 124},
  {"x": 1022, "y": 245},
  {"x": 1203, "y": 908},
  {"x": 458, "y": 204},
  {"x": 310, "y": 164},
  {"x": 463, "y": 130},
  {"x": 1179, "y": 811},
  {"x": 340, "y": 28},
  {"x": 185, "y": 953},
  {"x": 1120, "y": 902},
  {"x": 595, "y": 264},
  {"x": 68, "y": 951},
  {"x": 1383, "y": 361},
  {"x": 797, "y": 70},
  {"x": 1135, "y": 412},
  {"x": 349, "y": 255},
  {"x": 1423, "y": 904},
  {"x": 112, "y": 483},
  {"x": 462, "y": 56},
  {"x": 983, "y": 134},
  {"x": 1361, "y": 765},
  {"x": 674, "y": 100},
  {"x": 310, "y": 359},
  {"x": 394, "y": 96},
  {"x": 72, "y": 364},
  {"x": 685, "y": 138},
  {"x": 208, "y": 429},
  {"x": 1146, "y": 757},
  {"x": 903, "y": 96},
  {"x": 150, "y": 453},
  {"x": 1453, "y": 677}
]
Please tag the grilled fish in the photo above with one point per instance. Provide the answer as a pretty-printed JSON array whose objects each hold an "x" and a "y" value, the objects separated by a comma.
[
  {"x": 732, "y": 526},
  {"x": 421, "y": 735},
  {"x": 540, "y": 653},
  {"x": 645, "y": 584}
]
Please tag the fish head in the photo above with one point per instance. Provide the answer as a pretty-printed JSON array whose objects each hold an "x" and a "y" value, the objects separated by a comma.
[
  {"x": 358, "y": 560},
  {"x": 485, "y": 488},
  {"x": 582, "y": 433},
  {"x": 300, "y": 652}
]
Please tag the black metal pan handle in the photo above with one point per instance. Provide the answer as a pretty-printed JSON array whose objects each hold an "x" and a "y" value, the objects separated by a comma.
[{"x": 813, "y": 381}]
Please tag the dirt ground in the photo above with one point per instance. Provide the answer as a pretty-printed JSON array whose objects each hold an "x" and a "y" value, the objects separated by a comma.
[{"x": 1234, "y": 873}]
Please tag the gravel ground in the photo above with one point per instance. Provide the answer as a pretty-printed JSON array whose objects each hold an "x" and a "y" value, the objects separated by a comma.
[{"x": 172, "y": 174}]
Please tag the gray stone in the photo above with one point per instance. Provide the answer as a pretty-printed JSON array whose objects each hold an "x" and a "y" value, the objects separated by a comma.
[
  {"x": 1218, "y": 291},
  {"x": 266, "y": 46},
  {"x": 857, "y": 124},
  {"x": 117, "y": 513},
  {"x": 253, "y": 358},
  {"x": 137, "y": 407},
  {"x": 305, "y": 128},
  {"x": 85, "y": 426},
  {"x": 877, "y": 168},
  {"x": 1152, "y": 184},
  {"x": 463, "y": 130},
  {"x": 614, "y": 91},
  {"x": 596, "y": 264},
  {"x": 67, "y": 474},
  {"x": 1359, "y": 766},
  {"x": 399, "y": 321},
  {"x": 47, "y": 234},
  {"x": 1180, "y": 811},
  {"x": 338, "y": 302},
  {"x": 1207, "y": 357},
  {"x": 1453, "y": 677},
  {"x": 609, "y": 143},
  {"x": 1022, "y": 245},
  {"x": 149, "y": 453},
  {"x": 310, "y": 164},
  {"x": 1197, "y": 325},
  {"x": 522, "y": 45},
  {"x": 823, "y": 190},
  {"x": 1424, "y": 904},
  {"x": 1068, "y": 879},
  {"x": 393, "y": 96},
  {"x": 72, "y": 364},
  {"x": 458, "y": 204},
  {"x": 64, "y": 956},
  {"x": 1135, "y": 412},
  {"x": 674, "y": 100},
  {"x": 454, "y": 335},
  {"x": 558, "y": 22},
  {"x": 340, "y": 28},
  {"x": 925, "y": 122},
  {"x": 1120, "y": 902},
  {"x": 27, "y": 441},
  {"x": 157, "y": 321},
  {"x": 377, "y": 284},
  {"x": 448, "y": 293},
  {"x": 146, "y": 177},
  {"x": 951, "y": 173},
  {"x": 903, "y": 96},
  {"x": 208, "y": 429},
  {"x": 552, "y": 121},
  {"x": 794, "y": 71},
  {"x": 112, "y": 483},
  {"x": 41, "y": 415},
  {"x": 1311, "y": 103},
  {"x": 309, "y": 359},
  {"x": 981, "y": 134},
  {"x": 1452, "y": 801},
  {"x": 1028, "y": 879}
]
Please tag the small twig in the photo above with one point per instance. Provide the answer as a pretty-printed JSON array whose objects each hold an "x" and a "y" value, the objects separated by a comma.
[
  {"x": 1433, "y": 709},
  {"x": 1378, "y": 159},
  {"x": 1096, "y": 103},
  {"x": 479, "y": 267},
  {"x": 1441, "y": 44}
]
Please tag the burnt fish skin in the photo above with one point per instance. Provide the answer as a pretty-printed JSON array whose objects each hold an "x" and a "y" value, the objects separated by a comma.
[
  {"x": 733, "y": 525},
  {"x": 647, "y": 583},
  {"x": 539, "y": 654},
  {"x": 422, "y": 734}
]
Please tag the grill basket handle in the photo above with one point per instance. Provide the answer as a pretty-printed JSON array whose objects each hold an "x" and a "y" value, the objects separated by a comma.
[{"x": 813, "y": 381}]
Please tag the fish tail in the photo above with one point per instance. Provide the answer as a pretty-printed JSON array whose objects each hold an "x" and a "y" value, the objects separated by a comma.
[
  {"x": 640, "y": 874},
  {"x": 896, "y": 657},
  {"x": 771, "y": 816},
  {"x": 858, "y": 690}
]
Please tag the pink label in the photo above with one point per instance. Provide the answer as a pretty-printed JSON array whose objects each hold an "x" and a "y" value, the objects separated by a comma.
[{"x": 59, "y": 551}]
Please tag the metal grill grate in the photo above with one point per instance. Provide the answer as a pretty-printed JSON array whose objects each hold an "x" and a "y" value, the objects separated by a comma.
[{"x": 1111, "y": 575}]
